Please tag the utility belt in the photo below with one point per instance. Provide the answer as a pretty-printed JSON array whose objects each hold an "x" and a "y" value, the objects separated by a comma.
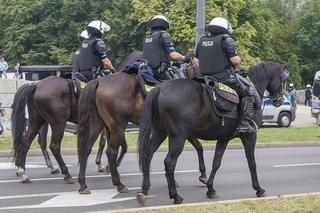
[{"x": 96, "y": 72}]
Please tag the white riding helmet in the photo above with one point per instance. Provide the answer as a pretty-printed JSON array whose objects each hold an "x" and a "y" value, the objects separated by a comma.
[
  {"x": 159, "y": 21},
  {"x": 291, "y": 85},
  {"x": 308, "y": 86},
  {"x": 99, "y": 26},
  {"x": 220, "y": 25}
]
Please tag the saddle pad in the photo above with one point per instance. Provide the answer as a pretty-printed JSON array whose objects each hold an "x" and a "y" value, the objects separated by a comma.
[
  {"x": 82, "y": 84},
  {"x": 148, "y": 88},
  {"x": 226, "y": 88},
  {"x": 227, "y": 93}
]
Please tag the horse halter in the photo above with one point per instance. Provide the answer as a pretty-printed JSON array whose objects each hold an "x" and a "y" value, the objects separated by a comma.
[{"x": 283, "y": 77}]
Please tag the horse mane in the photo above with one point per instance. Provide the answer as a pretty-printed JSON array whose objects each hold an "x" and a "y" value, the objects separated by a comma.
[
  {"x": 264, "y": 70},
  {"x": 129, "y": 59}
]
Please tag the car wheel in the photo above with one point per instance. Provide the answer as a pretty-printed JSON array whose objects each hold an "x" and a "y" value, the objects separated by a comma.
[{"x": 284, "y": 119}]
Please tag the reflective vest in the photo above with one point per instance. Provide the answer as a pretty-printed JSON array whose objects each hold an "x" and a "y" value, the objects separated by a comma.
[
  {"x": 154, "y": 51},
  {"x": 212, "y": 57}
]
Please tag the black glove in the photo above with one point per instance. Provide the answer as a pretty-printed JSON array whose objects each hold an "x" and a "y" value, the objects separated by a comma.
[
  {"x": 112, "y": 70},
  {"x": 187, "y": 58}
]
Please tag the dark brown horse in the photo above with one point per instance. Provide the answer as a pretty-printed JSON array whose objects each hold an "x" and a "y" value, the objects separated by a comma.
[
  {"x": 111, "y": 102},
  {"x": 188, "y": 112},
  {"x": 50, "y": 101}
]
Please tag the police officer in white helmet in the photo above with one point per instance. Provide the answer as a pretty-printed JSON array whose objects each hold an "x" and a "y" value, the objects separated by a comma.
[
  {"x": 216, "y": 55},
  {"x": 158, "y": 48},
  {"x": 92, "y": 56}
]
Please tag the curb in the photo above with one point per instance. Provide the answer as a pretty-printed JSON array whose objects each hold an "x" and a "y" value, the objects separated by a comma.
[{"x": 6, "y": 153}]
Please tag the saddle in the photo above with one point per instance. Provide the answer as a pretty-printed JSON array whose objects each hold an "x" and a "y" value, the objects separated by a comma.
[
  {"x": 80, "y": 82},
  {"x": 224, "y": 99},
  {"x": 146, "y": 75}
]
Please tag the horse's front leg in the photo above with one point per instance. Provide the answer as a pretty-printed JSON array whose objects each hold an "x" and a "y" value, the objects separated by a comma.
[
  {"x": 219, "y": 151},
  {"x": 249, "y": 142}
]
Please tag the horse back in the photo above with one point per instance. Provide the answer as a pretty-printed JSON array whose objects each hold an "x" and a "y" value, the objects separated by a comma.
[
  {"x": 185, "y": 108},
  {"x": 119, "y": 97},
  {"x": 54, "y": 96}
]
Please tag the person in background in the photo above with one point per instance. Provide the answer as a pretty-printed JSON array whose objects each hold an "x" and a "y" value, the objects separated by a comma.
[
  {"x": 2, "y": 114},
  {"x": 307, "y": 95},
  {"x": 292, "y": 94},
  {"x": 17, "y": 74},
  {"x": 3, "y": 68}
]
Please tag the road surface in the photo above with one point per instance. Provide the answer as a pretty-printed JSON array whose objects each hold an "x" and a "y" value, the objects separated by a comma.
[{"x": 281, "y": 171}]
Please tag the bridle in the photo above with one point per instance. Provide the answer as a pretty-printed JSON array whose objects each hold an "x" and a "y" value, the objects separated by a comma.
[{"x": 284, "y": 75}]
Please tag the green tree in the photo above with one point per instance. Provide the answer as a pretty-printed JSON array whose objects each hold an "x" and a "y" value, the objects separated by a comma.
[{"x": 308, "y": 39}]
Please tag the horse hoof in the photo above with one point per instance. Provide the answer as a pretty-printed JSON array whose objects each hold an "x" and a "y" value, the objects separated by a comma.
[
  {"x": 203, "y": 180},
  {"x": 123, "y": 189},
  {"x": 25, "y": 179},
  {"x": 68, "y": 180},
  {"x": 211, "y": 194},
  {"x": 177, "y": 200},
  {"x": 101, "y": 169},
  {"x": 85, "y": 191},
  {"x": 141, "y": 198},
  {"x": 261, "y": 193},
  {"x": 54, "y": 170}
]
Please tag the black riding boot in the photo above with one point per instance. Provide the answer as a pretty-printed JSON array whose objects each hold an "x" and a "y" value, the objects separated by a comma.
[{"x": 246, "y": 123}]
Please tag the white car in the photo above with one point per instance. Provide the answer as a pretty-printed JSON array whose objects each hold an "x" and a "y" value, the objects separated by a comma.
[{"x": 282, "y": 115}]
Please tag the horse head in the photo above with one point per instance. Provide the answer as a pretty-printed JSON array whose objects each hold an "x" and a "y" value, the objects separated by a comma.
[{"x": 270, "y": 76}]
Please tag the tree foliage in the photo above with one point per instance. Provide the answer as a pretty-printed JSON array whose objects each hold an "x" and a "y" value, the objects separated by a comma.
[{"x": 46, "y": 32}]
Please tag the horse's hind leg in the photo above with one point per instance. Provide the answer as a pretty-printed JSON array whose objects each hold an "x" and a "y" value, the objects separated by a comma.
[
  {"x": 220, "y": 148},
  {"x": 117, "y": 137},
  {"x": 42, "y": 140},
  {"x": 86, "y": 139},
  {"x": 33, "y": 128},
  {"x": 249, "y": 142},
  {"x": 202, "y": 167},
  {"x": 124, "y": 148},
  {"x": 55, "y": 146},
  {"x": 102, "y": 143},
  {"x": 156, "y": 140},
  {"x": 176, "y": 144}
]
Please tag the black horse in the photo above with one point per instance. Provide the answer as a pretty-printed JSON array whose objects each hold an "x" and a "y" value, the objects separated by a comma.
[{"x": 182, "y": 109}]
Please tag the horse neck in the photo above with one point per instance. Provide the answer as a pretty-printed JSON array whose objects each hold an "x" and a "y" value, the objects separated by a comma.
[{"x": 260, "y": 85}]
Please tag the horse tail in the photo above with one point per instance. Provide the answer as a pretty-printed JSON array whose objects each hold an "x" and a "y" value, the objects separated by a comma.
[
  {"x": 24, "y": 93},
  {"x": 87, "y": 104},
  {"x": 149, "y": 114}
]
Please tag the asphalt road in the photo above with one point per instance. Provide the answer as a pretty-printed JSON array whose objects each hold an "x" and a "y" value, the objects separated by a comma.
[{"x": 281, "y": 171}]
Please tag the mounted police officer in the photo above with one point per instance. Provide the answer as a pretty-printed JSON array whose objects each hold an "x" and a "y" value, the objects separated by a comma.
[
  {"x": 76, "y": 69},
  {"x": 92, "y": 57},
  {"x": 158, "y": 48},
  {"x": 217, "y": 56}
]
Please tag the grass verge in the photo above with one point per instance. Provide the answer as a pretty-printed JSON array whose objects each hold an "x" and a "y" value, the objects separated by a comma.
[
  {"x": 309, "y": 203},
  {"x": 265, "y": 135}
]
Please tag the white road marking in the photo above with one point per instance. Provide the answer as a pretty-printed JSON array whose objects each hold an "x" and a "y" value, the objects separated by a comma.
[
  {"x": 95, "y": 176},
  {"x": 45, "y": 194},
  {"x": 71, "y": 199},
  {"x": 296, "y": 165},
  {"x": 28, "y": 166},
  {"x": 11, "y": 166}
]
